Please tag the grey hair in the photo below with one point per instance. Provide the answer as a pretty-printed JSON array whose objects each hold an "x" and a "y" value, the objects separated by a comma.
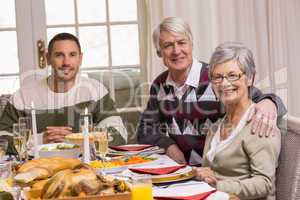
[
  {"x": 174, "y": 24},
  {"x": 233, "y": 51}
]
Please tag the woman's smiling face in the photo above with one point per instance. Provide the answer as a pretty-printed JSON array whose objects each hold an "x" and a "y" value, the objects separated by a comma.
[{"x": 230, "y": 83}]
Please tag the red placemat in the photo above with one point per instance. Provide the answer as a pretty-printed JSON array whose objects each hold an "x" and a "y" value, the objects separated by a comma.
[
  {"x": 157, "y": 171},
  {"x": 201, "y": 196}
]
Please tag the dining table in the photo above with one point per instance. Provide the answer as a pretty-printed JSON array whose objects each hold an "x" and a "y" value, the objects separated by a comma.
[{"x": 183, "y": 186}]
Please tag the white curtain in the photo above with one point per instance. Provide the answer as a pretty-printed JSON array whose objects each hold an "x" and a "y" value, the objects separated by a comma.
[{"x": 270, "y": 28}]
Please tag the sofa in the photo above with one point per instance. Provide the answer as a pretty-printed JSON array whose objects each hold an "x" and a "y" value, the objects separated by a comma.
[
  {"x": 127, "y": 94},
  {"x": 288, "y": 171}
]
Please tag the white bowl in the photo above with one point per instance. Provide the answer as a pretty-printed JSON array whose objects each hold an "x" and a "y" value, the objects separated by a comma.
[{"x": 53, "y": 151}]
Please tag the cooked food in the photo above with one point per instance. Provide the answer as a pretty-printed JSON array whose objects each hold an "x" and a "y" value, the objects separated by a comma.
[
  {"x": 81, "y": 181},
  {"x": 59, "y": 147},
  {"x": 39, "y": 185},
  {"x": 78, "y": 136},
  {"x": 53, "y": 178},
  {"x": 43, "y": 168},
  {"x": 121, "y": 162}
]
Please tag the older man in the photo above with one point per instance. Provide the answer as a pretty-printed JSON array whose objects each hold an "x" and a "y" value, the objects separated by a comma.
[
  {"x": 181, "y": 98},
  {"x": 60, "y": 98}
]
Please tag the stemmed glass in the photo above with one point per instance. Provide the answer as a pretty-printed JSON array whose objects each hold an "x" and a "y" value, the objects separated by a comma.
[
  {"x": 19, "y": 132},
  {"x": 101, "y": 141},
  {"x": 28, "y": 131},
  {"x": 3, "y": 148}
]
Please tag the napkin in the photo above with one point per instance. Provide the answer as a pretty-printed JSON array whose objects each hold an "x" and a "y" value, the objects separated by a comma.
[
  {"x": 131, "y": 147},
  {"x": 157, "y": 171},
  {"x": 201, "y": 196}
]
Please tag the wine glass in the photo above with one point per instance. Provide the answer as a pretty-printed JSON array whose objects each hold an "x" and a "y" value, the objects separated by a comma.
[
  {"x": 3, "y": 148},
  {"x": 19, "y": 132},
  {"x": 101, "y": 141},
  {"x": 28, "y": 132}
]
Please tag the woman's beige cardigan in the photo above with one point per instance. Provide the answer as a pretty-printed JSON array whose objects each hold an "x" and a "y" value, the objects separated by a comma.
[{"x": 246, "y": 167}]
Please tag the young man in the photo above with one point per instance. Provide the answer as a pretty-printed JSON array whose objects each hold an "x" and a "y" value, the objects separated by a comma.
[
  {"x": 61, "y": 97},
  {"x": 181, "y": 98}
]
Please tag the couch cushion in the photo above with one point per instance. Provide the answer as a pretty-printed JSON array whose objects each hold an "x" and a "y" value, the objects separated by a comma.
[
  {"x": 126, "y": 84},
  {"x": 3, "y": 101},
  {"x": 288, "y": 172},
  {"x": 122, "y": 78},
  {"x": 131, "y": 120}
]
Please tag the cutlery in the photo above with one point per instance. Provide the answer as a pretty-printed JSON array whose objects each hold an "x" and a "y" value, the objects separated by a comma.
[{"x": 179, "y": 184}]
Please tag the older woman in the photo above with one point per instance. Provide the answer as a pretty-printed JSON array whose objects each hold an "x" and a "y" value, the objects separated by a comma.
[{"x": 236, "y": 161}]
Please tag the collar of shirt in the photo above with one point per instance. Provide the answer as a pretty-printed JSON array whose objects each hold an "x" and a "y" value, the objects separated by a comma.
[{"x": 192, "y": 79}]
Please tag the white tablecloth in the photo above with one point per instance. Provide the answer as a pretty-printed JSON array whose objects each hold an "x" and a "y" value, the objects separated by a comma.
[{"x": 188, "y": 188}]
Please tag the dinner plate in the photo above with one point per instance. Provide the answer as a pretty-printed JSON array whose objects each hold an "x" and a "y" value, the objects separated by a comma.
[
  {"x": 131, "y": 147},
  {"x": 147, "y": 151},
  {"x": 113, "y": 170},
  {"x": 187, "y": 189},
  {"x": 119, "y": 169},
  {"x": 180, "y": 175}
]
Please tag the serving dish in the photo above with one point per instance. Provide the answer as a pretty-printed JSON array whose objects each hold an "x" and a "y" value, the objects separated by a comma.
[
  {"x": 34, "y": 195},
  {"x": 121, "y": 164},
  {"x": 59, "y": 149}
]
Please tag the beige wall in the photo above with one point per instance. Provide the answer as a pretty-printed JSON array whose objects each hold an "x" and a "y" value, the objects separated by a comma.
[{"x": 270, "y": 28}]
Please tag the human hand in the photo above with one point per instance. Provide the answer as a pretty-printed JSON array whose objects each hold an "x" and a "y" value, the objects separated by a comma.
[
  {"x": 176, "y": 154},
  {"x": 205, "y": 174},
  {"x": 233, "y": 197},
  {"x": 264, "y": 118},
  {"x": 56, "y": 133}
]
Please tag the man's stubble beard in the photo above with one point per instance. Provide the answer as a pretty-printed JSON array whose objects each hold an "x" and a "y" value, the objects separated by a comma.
[{"x": 61, "y": 78}]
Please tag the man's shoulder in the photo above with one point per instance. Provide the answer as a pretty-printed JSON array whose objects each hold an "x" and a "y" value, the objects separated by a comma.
[
  {"x": 161, "y": 78},
  {"x": 95, "y": 87},
  {"x": 29, "y": 88},
  {"x": 93, "y": 82},
  {"x": 29, "y": 92}
]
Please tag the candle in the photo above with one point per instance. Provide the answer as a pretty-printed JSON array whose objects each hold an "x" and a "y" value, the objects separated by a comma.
[
  {"x": 34, "y": 132},
  {"x": 86, "y": 141}
]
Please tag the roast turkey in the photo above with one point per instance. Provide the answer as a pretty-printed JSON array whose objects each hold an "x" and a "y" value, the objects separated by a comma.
[
  {"x": 43, "y": 168},
  {"x": 80, "y": 181}
]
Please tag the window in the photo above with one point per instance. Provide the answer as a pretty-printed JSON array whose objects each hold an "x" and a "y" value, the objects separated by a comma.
[
  {"x": 108, "y": 33},
  {"x": 9, "y": 62}
]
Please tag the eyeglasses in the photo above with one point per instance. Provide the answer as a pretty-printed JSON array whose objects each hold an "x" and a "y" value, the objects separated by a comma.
[{"x": 229, "y": 77}]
